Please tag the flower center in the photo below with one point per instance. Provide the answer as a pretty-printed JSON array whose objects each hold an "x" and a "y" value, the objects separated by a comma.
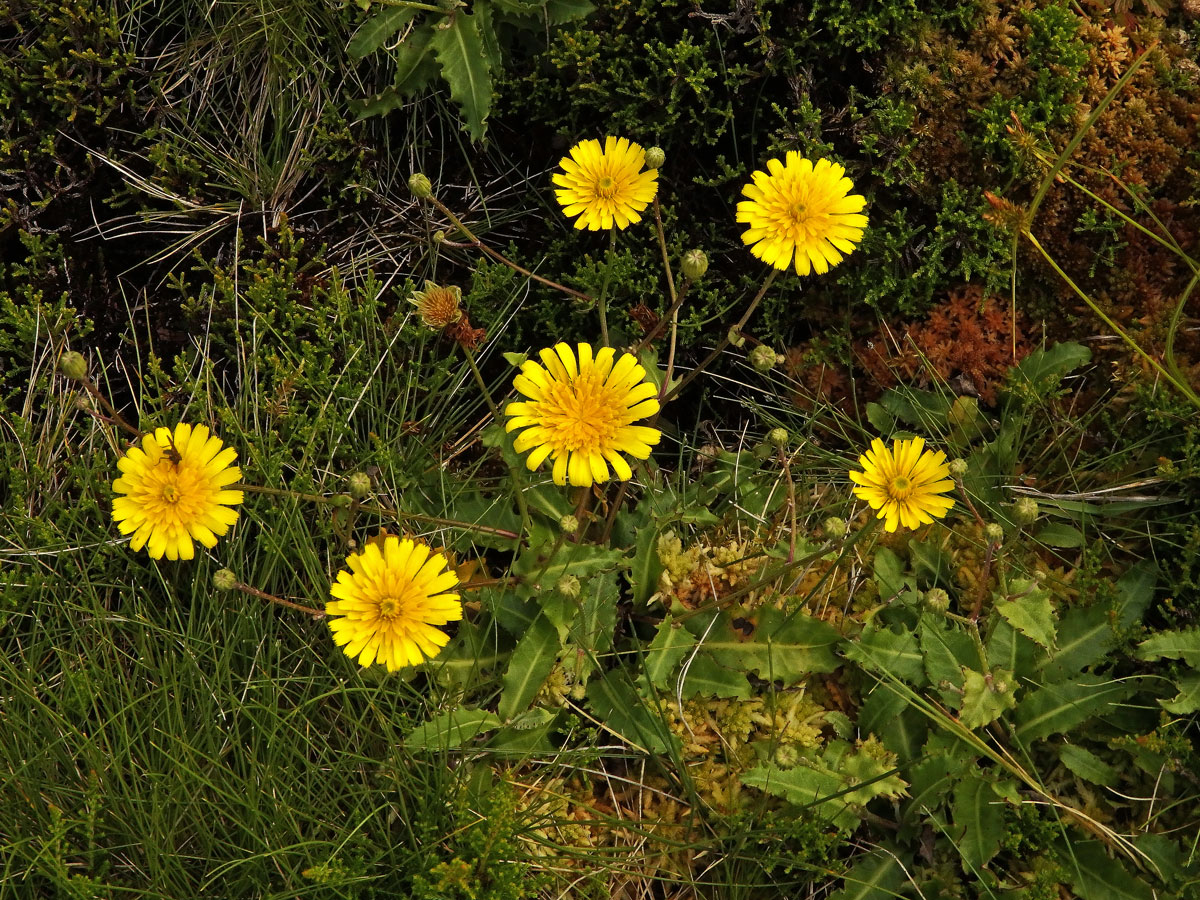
[
  {"x": 901, "y": 488},
  {"x": 170, "y": 493},
  {"x": 799, "y": 212},
  {"x": 606, "y": 187},
  {"x": 388, "y": 608}
]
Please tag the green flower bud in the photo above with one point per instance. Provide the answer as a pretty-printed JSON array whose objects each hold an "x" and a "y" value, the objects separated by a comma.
[
  {"x": 778, "y": 437},
  {"x": 695, "y": 264},
  {"x": 568, "y": 524},
  {"x": 420, "y": 185},
  {"x": 73, "y": 365},
  {"x": 958, "y": 468},
  {"x": 994, "y": 532},
  {"x": 1025, "y": 511},
  {"x": 936, "y": 600},
  {"x": 224, "y": 580},
  {"x": 568, "y": 586},
  {"x": 763, "y": 358},
  {"x": 655, "y": 157},
  {"x": 833, "y": 527},
  {"x": 736, "y": 338},
  {"x": 341, "y": 501},
  {"x": 360, "y": 485}
]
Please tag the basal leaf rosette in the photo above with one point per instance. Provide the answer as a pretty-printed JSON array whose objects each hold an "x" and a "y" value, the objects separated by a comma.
[
  {"x": 605, "y": 187},
  {"x": 580, "y": 413},
  {"x": 801, "y": 213},
  {"x": 904, "y": 484},
  {"x": 388, "y": 607},
  {"x": 174, "y": 490}
]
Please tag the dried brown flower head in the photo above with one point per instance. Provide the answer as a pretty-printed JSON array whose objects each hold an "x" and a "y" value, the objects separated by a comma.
[{"x": 438, "y": 307}]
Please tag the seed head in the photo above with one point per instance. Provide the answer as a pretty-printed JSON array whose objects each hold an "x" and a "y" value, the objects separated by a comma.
[{"x": 438, "y": 307}]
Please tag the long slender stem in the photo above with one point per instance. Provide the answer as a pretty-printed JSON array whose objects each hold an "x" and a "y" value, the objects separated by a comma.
[
  {"x": 1180, "y": 386},
  {"x": 116, "y": 417},
  {"x": 602, "y": 300},
  {"x": 263, "y": 595},
  {"x": 499, "y": 257},
  {"x": 518, "y": 479},
  {"x": 379, "y": 510},
  {"x": 720, "y": 348}
]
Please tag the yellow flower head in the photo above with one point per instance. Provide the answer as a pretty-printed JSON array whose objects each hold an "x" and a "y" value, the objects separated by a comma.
[
  {"x": 904, "y": 484},
  {"x": 802, "y": 210},
  {"x": 582, "y": 414},
  {"x": 173, "y": 490},
  {"x": 438, "y": 306},
  {"x": 386, "y": 607},
  {"x": 605, "y": 187}
]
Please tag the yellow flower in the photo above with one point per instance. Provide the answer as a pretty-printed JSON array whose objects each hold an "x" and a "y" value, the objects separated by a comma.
[
  {"x": 605, "y": 187},
  {"x": 904, "y": 483},
  {"x": 803, "y": 210},
  {"x": 386, "y": 607},
  {"x": 173, "y": 490},
  {"x": 581, "y": 415}
]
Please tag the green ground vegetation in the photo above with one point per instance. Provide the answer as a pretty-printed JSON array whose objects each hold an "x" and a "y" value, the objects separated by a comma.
[{"x": 723, "y": 680}]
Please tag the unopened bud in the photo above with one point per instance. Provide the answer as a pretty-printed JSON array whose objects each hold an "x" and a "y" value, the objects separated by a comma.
[
  {"x": 763, "y": 358},
  {"x": 655, "y": 157},
  {"x": 420, "y": 185},
  {"x": 936, "y": 600},
  {"x": 569, "y": 524},
  {"x": 695, "y": 264},
  {"x": 994, "y": 532},
  {"x": 224, "y": 580},
  {"x": 736, "y": 338},
  {"x": 1025, "y": 511},
  {"x": 73, "y": 365},
  {"x": 359, "y": 485},
  {"x": 568, "y": 586},
  {"x": 341, "y": 501},
  {"x": 778, "y": 437},
  {"x": 833, "y": 527},
  {"x": 958, "y": 468}
]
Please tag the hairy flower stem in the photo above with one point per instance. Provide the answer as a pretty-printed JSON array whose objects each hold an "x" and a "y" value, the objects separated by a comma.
[
  {"x": 263, "y": 595},
  {"x": 720, "y": 348},
  {"x": 384, "y": 511},
  {"x": 115, "y": 417},
  {"x": 477, "y": 244},
  {"x": 602, "y": 300},
  {"x": 518, "y": 478}
]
